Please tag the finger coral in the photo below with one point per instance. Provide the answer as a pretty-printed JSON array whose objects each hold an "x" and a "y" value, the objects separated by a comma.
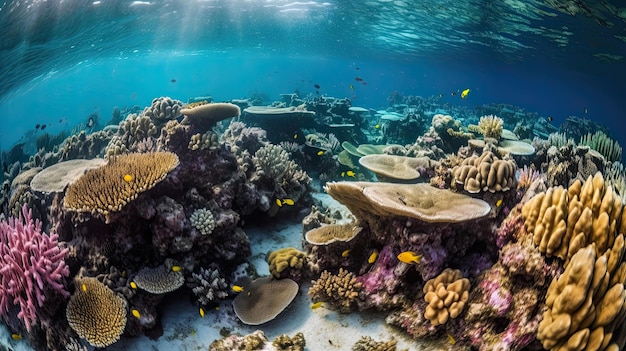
[
  {"x": 109, "y": 188},
  {"x": 32, "y": 267},
  {"x": 96, "y": 313},
  {"x": 446, "y": 296},
  {"x": 203, "y": 220},
  {"x": 562, "y": 221},
  {"x": 341, "y": 290},
  {"x": 284, "y": 259},
  {"x": 584, "y": 306},
  {"x": 485, "y": 173}
]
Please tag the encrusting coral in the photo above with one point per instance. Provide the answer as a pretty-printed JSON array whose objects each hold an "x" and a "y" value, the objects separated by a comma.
[
  {"x": 341, "y": 290},
  {"x": 110, "y": 187},
  {"x": 485, "y": 173},
  {"x": 446, "y": 296},
  {"x": 96, "y": 313},
  {"x": 287, "y": 259},
  {"x": 565, "y": 220}
]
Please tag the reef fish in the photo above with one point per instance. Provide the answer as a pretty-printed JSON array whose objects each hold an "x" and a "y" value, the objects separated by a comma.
[
  {"x": 175, "y": 268},
  {"x": 409, "y": 257},
  {"x": 201, "y": 312},
  {"x": 128, "y": 178},
  {"x": 288, "y": 202},
  {"x": 133, "y": 285},
  {"x": 316, "y": 305},
  {"x": 373, "y": 257},
  {"x": 499, "y": 203},
  {"x": 320, "y": 153},
  {"x": 135, "y": 313},
  {"x": 350, "y": 173},
  {"x": 451, "y": 339},
  {"x": 16, "y": 336},
  {"x": 237, "y": 288},
  {"x": 464, "y": 93},
  {"x": 345, "y": 253},
  {"x": 83, "y": 287}
]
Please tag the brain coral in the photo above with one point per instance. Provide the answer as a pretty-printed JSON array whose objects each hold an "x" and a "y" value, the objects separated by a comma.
[
  {"x": 96, "y": 313},
  {"x": 446, "y": 296},
  {"x": 109, "y": 188}
]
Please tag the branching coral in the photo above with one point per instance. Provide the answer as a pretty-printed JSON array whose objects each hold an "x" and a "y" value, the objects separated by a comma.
[
  {"x": 341, "y": 290},
  {"x": 491, "y": 126},
  {"x": 602, "y": 143},
  {"x": 203, "y": 220},
  {"x": 109, "y": 188},
  {"x": 485, "y": 173},
  {"x": 208, "y": 285},
  {"x": 446, "y": 296},
  {"x": 32, "y": 267},
  {"x": 563, "y": 221}
]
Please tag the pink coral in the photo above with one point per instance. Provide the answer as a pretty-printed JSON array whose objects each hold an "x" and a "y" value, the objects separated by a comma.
[{"x": 32, "y": 266}]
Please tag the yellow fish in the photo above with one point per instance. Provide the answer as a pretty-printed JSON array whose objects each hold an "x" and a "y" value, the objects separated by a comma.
[
  {"x": 175, "y": 268},
  {"x": 351, "y": 87},
  {"x": 350, "y": 174},
  {"x": 451, "y": 339},
  {"x": 409, "y": 257},
  {"x": 377, "y": 126},
  {"x": 237, "y": 288},
  {"x": 373, "y": 257},
  {"x": 464, "y": 93},
  {"x": 316, "y": 305},
  {"x": 320, "y": 153},
  {"x": 135, "y": 313},
  {"x": 288, "y": 202},
  {"x": 499, "y": 203},
  {"x": 217, "y": 308},
  {"x": 295, "y": 136},
  {"x": 345, "y": 253},
  {"x": 343, "y": 174},
  {"x": 16, "y": 336},
  {"x": 201, "y": 312},
  {"x": 128, "y": 178},
  {"x": 133, "y": 285},
  {"x": 280, "y": 204},
  {"x": 83, "y": 287}
]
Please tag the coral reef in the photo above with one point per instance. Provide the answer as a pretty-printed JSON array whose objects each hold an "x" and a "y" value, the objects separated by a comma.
[
  {"x": 599, "y": 141},
  {"x": 208, "y": 285},
  {"x": 160, "y": 280},
  {"x": 258, "y": 341},
  {"x": 485, "y": 173},
  {"x": 203, "y": 220},
  {"x": 287, "y": 262},
  {"x": 366, "y": 343},
  {"x": 342, "y": 290}
]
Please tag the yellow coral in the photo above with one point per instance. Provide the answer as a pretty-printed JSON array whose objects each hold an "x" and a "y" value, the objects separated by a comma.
[
  {"x": 284, "y": 258},
  {"x": 585, "y": 304},
  {"x": 446, "y": 296},
  {"x": 96, "y": 313},
  {"x": 491, "y": 126},
  {"x": 103, "y": 190},
  {"x": 562, "y": 221}
]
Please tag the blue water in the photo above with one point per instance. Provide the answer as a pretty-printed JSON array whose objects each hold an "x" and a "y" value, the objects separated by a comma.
[{"x": 61, "y": 62}]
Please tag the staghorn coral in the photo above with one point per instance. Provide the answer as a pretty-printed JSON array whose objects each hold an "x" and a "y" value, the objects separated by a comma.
[
  {"x": 32, "y": 267},
  {"x": 203, "y": 220},
  {"x": 341, "y": 291},
  {"x": 565, "y": 220},
  {"x": 485, "y": 173},
  {"x": 96, "y": 313},
  {"x": 585, "y": 303},
  {"x": 446, "y": 296},
  {"x": 109, "y": 188},
  {"x": 208, "y": 285},
  {"x": 286, "y": 260},
  {"x": 161, "y": 279}
]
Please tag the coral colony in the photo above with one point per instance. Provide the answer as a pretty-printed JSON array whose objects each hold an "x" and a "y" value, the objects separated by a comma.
[{"x": 485, "y": 229}]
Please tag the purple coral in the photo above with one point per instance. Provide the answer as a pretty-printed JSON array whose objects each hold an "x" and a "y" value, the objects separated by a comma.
[{"x": 32, "y": 265}]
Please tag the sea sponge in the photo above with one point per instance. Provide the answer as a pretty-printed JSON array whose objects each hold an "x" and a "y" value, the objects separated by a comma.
[
  {"x": 263, "y": 299},
  {"x": 420, "y": 201},
  {"x": 584, "y": 306},
  {"x": 485, "y": 173},
  {"x": 282, "y": 259},
  {"x": 109, "y": 188},
  {"x": 161, "y": 279},
  {"x": 96, "y": 313},
  {"x": 446, "y": 296},
  {"x": 341, "y": 291},
  {"x": 397, "y": 167},
  {"x": 203, "y": 220},
  {"x": 563, "y": 221},
  {"x": 328, "y": 234}
]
